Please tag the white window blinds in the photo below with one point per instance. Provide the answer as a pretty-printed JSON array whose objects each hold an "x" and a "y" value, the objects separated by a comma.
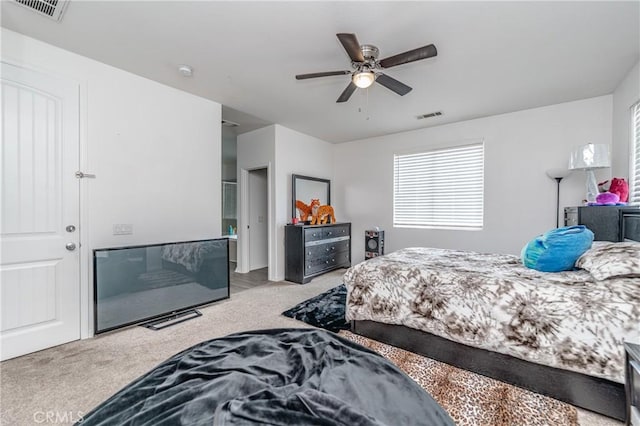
[
  {"x": 442, "y": 188},
  {"x": 634, "y": 170}
]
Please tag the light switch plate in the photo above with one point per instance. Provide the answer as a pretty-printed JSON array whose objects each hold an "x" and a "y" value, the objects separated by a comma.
[{"x": 122, "y": 229}]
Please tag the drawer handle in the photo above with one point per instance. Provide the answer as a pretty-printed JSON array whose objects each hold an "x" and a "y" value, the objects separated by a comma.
[
  {"x": 329, "y": 233},
  {"x": 327, "y": 262},
  {"x": 309, "y": 253},
  {"x": 314, "y": 234}
]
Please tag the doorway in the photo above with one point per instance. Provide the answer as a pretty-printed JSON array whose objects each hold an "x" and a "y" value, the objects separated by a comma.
[{"x": 257, "y": 226}]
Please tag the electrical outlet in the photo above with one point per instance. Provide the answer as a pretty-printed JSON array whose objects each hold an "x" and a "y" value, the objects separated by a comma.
[{"x": 122, "y": 229}]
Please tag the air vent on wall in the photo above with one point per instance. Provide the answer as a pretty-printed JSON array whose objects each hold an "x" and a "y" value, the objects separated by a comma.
[
  {"x": 50, "y": 8},
  {"x": 228, "y": 123},
  {"x": 431, "y": 114}
]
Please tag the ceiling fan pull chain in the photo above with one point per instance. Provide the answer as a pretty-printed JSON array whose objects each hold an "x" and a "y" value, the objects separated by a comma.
[{"x": 367, "y": 105}]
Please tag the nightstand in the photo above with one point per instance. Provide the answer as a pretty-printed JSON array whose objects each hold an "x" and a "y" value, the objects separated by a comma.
[
  {"x": 603, "y": 221},
  {"x": 632, "y": 383}
]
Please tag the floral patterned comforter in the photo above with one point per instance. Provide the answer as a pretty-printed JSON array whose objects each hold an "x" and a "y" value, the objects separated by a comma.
[{"x": 565, "y": 320}]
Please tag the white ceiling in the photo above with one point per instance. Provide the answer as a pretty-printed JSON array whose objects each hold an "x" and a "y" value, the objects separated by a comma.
[{"x": 493, "y": 57}]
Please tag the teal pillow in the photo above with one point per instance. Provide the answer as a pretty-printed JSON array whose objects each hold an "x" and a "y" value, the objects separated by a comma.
[{"x": 557, "y": 250}]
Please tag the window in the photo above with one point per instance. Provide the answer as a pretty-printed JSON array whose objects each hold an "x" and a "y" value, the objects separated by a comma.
[
  {"x": 441, "y": 188},
  {"x": 634, "y": 169}
]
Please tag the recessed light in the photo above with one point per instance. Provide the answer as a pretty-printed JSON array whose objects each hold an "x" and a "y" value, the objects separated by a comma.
[{"x": 185, "y": 70}]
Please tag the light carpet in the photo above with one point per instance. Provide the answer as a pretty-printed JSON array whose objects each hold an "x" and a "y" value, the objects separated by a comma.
[{"x": 73, "y": 378}]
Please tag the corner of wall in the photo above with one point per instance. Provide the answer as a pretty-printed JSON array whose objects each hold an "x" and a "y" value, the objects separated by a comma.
[{"x": 626, "y": 95}]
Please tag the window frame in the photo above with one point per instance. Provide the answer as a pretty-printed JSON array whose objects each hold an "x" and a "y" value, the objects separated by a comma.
[
  {"x": 432, "y": 149},
  {"x": 634, "y": 153}
]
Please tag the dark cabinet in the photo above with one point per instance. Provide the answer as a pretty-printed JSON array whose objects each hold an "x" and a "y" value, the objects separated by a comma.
[
  {"x": 603, "y": 221},
  {"x": 312, "y": 250}
]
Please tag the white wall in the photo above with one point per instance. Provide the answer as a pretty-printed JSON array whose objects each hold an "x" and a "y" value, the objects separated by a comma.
[
  {"x": 286, "y": 152},
  {"x": 520, "y": 200},
  {"x": 626, "y": 94},
  {"x": 296, "y": 153},
  {"x": 256, "y": 150},
  {"x": 155, "y": 151}
]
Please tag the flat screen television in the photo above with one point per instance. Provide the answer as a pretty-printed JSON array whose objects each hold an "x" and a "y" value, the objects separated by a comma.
[{"x": 136, "y": 284}]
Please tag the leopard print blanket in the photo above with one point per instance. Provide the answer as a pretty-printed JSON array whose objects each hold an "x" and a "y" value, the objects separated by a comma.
[
  {"x": 565, "y": 320},
  {"x": 472, "y": 399}
]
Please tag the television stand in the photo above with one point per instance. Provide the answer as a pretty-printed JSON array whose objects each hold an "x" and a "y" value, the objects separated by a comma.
[{"x": 171, "y": 319}]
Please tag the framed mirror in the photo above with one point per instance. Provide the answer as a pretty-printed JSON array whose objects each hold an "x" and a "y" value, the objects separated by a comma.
[{"x": 306, "y": 188}]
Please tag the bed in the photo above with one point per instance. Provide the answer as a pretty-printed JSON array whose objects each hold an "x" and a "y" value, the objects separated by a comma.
[
  {"x": 556, "y": 334},
  {"x": 276, "y": 377}
]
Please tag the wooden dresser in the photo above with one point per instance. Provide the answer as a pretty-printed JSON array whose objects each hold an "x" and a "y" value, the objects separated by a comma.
[{"x": 312, "y": 250}]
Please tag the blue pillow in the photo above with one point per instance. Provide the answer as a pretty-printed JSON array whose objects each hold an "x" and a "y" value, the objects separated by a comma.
[{"x": 558, "y": 249}]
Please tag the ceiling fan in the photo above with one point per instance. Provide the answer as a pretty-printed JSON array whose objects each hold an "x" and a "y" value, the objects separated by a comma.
[{"x": 367, "y": 67}]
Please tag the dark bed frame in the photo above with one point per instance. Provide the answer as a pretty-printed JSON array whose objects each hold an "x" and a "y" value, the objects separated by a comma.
[{"x": 593, "y": 393}]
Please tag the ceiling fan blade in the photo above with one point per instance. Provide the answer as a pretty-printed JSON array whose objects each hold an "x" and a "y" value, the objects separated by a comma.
[
  {"x": 392, "y": 84},
  {"x": 344, "y": 97},
  {"x": 410, "y": 56},
  {"x": 351, "y": 45},
  {"x": 321, "y": 74}
]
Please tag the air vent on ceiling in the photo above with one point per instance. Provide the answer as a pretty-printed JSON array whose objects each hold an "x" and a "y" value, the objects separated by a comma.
[
  {"x": 228, "y": 123},
  {"x": 50, "y": 8},
  {"x": 431, "y": 114}
]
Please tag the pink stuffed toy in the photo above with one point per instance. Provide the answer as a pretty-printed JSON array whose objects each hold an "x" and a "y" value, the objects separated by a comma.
[{"x": 620, "y": 187}]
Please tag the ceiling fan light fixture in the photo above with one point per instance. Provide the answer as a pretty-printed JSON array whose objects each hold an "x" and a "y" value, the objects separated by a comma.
[{"x": 363, "y": 79}]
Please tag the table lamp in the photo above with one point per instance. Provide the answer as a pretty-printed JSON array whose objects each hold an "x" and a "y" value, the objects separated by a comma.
[{"x": 588, "y": 158}]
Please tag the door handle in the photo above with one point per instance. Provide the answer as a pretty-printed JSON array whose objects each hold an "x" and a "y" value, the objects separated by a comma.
[
  {"x": 70, "y": 228},
  {"x": 81, "y": 175},
  {"x": 70, "y": 246}
]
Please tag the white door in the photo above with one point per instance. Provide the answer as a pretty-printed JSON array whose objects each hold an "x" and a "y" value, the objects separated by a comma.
[
  {"x": 39, "y": 261},
  {"x": 258, "y": 231}
]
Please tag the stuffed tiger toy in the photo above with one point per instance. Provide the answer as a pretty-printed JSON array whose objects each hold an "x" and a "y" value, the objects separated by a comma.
[
  {"x": 321, "y": 214},
  {"x": 303, "y": 210}
]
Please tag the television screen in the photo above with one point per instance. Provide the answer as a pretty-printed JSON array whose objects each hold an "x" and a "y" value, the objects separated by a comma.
[{"x": 133, "y": 284}]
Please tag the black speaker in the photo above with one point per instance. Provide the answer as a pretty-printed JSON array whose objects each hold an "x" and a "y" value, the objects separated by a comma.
[{"x": 373, "y": 243}]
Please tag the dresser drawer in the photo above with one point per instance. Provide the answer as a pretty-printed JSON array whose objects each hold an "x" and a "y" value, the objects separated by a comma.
[
  {"x": 314, "y": 234},
  {"x": 317, "y": 264},
  {"x": 336, "y": 231},
  {"x": 323, "y": 249},
  {"x": 342, "y": 258},
  {"x": 330, "y": 261}
]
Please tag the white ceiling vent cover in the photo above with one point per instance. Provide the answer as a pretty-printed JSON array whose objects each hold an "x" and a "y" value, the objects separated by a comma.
[
  {"x": 50, "y": 8},
  {"x": 430, "y": 115}
]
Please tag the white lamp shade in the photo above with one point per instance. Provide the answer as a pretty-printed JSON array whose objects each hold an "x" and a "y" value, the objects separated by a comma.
[
  {"x": 558, "y": 173},
  {"x": 590, "y": 156},
  {"x": 363, "y": 79}
]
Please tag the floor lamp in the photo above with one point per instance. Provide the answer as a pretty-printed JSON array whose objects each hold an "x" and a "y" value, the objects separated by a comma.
[{"x": 558, "y": 175}]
